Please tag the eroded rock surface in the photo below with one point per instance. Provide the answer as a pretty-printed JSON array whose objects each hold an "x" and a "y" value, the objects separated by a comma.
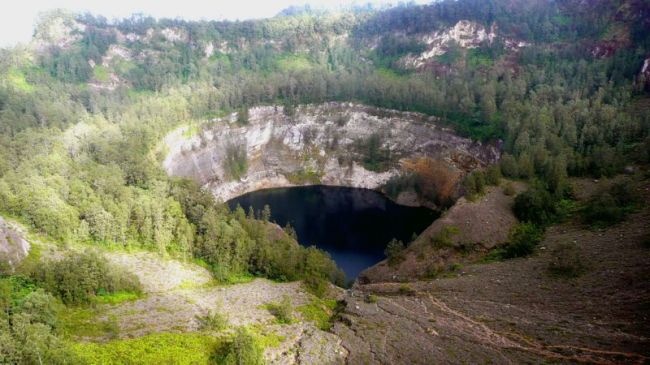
[
  {"x": 13, "y": 247},
  {"x": 319, "y": 144}
]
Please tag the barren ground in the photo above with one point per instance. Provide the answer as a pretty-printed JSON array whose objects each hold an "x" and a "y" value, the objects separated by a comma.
[{"x": 516, "y": 311}]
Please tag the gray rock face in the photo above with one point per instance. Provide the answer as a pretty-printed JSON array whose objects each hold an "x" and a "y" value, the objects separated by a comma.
[
  {"x": 13, "y": 247},
  {"x": 319, "y": 144}
]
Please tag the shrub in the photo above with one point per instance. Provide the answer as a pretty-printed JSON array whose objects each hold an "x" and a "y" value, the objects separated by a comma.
[
  {"x": 493, "y": 175},
  {"x": 316, "y": 285},
  {"x": 406, "y": 289},
  {"x": 509, "y": 189},
  {"x": 370, "y": 298},
  {"x": 523, "y": 239},
  {"x": 242, "y": 115},
  {"x": 610, "y": 207},
  {"x": 394, "y": 251},
  {"x": 282, "y": 311},
  {"x": 535, "y": 206},
  {"x": 213, "y": 321},
  {"x": 509, "y": 166},
  {"x": 474, "y": 184},
  {"x": 80, "y": 276},
  {"x": 244, "y": 349},
  {"x": 29, "y": 325},
  {"x": 434, "y": 270},
  {"x": 375, "y": 156},
  {"x": 566, "y": 261},
  {"x": 236, "y": 162},
  {"x": 444, "y": 238}
]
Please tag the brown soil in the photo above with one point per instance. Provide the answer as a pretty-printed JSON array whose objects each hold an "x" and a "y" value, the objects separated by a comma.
[{"x": 482, "y": 224}]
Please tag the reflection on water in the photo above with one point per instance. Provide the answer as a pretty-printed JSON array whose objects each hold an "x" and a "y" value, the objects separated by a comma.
[{"x": 353, "y": 225}]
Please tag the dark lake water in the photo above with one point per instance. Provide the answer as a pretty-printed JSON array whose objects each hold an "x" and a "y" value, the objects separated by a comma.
[{"x": 353, "y": 225}]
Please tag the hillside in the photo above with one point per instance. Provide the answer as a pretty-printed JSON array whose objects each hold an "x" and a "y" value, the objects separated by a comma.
[
  {"x": 525, "y": 122},
  {"x": 519, "y": 310}
]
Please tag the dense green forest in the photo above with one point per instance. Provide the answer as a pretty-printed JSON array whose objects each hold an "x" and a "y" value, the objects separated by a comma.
[{"x": 80, "y": 154}]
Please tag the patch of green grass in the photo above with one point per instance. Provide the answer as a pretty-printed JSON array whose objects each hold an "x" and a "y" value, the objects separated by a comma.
[
  {"x": 115, "y": 298},
  {"x": 84, "y": 322},
  {"x": 269, "y": 339},
  {"x": 192, "y": 130},
  {"x": 161, "y": 348},
  {"x": 476, "y": 57},
  {"x": 282, "y": 310},
  {"x": 388, "y": 73},
  {"x": 17, "y": 78},
  {"x": 101, "y": 74},
  {"x": 241, "y": 278},
  {"x": 293, "y": 62},
  {"x": 303, "y": 176},
  {"x": 319, "y": 311}
]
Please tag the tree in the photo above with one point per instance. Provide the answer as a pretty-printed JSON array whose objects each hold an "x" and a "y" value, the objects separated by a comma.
[
  {"x": 244, "y": 349},
  {"x": 535, "y": 206},
  {"x": 242, "y": 115},
  {"x": 266, "y": 213},
  {"x": 394, "y": 250}
]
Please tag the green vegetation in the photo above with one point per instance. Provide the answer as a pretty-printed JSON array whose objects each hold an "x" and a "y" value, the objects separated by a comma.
[
  {"x": 243, "y": 349},
  {"x": 101, "y": 73},
  {"x": 305, "y": 176},
  {"x": 535, "y": 206},
  {"x": 242, "y": 115},
  {"x": 87, "y": 322},
  {"x": 406, "y": 289},
  {"x": 294, "y": 62},
  {"x": 115, "y": 298},
  {"x": 161, "y": 348},
  {"x": 236, "y": 161},
  {"x": 371, "y": 298},
  {"x": 213, "y": 321},
  {"x": 17, "y": 79},
  {"x": 84, "y": 277},
  {"x": 475, "y": 182},
  {"x": 282, "y": 310},
  {"x": 444, "y": 238},
  {"x": 566, "y": 261},
  {"x": 29, "y": 325},
  {"x": 320, "y": 311},
  {"x": 78, "y": 165},
  {"x": 375, "y": 156},
  {"x": 612, "y": 206},
  {"x": 394, "y": 252},
  {"x": 523, "y": 239}
]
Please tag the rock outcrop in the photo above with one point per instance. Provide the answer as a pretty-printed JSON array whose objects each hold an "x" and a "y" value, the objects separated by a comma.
[
  {"x": 319, "y": 144},
  {"x": 13, "y": 247},
  {"x": 464, "y": 34}
]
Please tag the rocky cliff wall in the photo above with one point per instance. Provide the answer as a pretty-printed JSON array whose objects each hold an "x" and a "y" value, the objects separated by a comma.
[{"x": 318, "y": 144}]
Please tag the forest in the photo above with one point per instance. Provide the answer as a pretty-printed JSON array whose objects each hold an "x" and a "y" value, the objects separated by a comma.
[{"x": 80, "y": 163}]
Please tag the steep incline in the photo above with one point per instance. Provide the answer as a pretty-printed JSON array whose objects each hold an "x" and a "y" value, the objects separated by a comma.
[{"x": 320, "y": 144}]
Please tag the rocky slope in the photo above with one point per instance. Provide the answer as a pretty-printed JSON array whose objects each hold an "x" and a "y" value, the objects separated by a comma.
[
  {"x": 477, "y": 227},
  {"x": 515, "y": 311},
  {"x": 320, "y": 144},
  {"x": 13, "y": 247}
]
